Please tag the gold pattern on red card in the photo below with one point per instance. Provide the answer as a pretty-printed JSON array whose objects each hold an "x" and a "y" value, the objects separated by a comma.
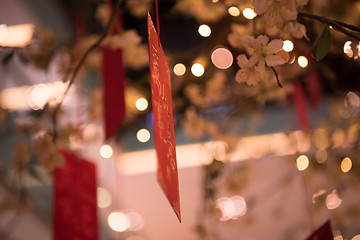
[{"x": 167, "y": 172}]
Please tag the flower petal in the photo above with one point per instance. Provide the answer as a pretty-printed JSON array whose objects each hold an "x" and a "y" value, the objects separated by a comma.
[
  {"x": 274, "y": 46},
  {"x": 273, "y": 60},
  {"x": 243, "y": 62},
  {"x": 261, "y": 6}
]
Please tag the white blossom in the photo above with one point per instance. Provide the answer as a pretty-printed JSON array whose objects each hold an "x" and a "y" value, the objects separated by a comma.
[
  {"x": 248, "y": 72},
  {"x": 267, "y": 52}
]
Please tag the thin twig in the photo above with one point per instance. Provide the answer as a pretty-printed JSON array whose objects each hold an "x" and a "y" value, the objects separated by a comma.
[
  {"x": 277, "y": 77},
  {"x": 81, "y": 62},
  {"x": 340, "y": 26}
]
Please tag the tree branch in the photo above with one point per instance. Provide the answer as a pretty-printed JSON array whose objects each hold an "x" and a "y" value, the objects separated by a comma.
[
  {"x": 277, "y": 77},
  {"x": 94, "y": 46},
  {"x": 340, "y": 26}
]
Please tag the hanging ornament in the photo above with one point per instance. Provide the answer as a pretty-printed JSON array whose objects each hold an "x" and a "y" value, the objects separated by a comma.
[
  {"x": 74, "y": 207},
  {"x": 167, "y": 173}
]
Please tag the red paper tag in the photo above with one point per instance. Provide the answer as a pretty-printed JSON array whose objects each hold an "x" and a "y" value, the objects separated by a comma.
[
  {"x": 300, "y": 105},
  {"x": 114, "y": 81},
  {"x": 323, "y": 233},
  {"x": 167, "y": 172},
  {"x": 74, "y": 207}
]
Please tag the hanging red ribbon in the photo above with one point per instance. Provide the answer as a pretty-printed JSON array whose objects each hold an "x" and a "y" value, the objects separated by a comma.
[
  {"x": 322, "y": 233},
  {"x": 167, "y": 172},
  {"x": 300, "y": 105},
  {"x": 74, "y": 206}
]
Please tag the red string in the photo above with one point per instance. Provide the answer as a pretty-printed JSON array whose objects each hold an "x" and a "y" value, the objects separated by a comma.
[{"x": 157, "y": 20}]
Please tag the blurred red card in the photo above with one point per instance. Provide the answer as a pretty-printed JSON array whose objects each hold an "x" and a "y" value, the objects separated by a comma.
[
  {"x": 74, "y": 207},
  {"x": 322, "y": 233},
  {"x": 114, "y": 83},
  {"x": 167, "y": 173}
]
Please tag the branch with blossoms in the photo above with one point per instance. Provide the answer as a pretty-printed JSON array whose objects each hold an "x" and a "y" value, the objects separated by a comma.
[
  {"x": 93, "y": 47},
  {"x": 283, "y": 15}
]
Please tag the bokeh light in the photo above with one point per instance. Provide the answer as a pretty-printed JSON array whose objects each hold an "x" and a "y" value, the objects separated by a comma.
[
  {"x": 143, "y": 135},
  {"x": 204, "y": 30},
  {"x": 321, "y": 155},
  {"x": 333, "y": 200},
  {"x": 16, "y": 35},
  {"x": 231, "y": 208},
  {"x": 118, "y": 221},
  {"x": 346, "y": 165},
  {"x": 234, "y": 11},
  {"x": 104, "y": 198},
  {"x": 39, "y": 96},
  {"x": 288, "y": 46},
  {"x": 141, "y": 104},
  {"x": 106, "y": 151},
  {"x": 222, "y": 58},
  {"x": 302, "y": 162},
  {"x": 357, "y": 237},
  {"x": 303, "y": 61},
  {"x": 347, "y": 49},
  {"x": 179, "y": 69},
  {"x": 249, "y": 13},
  {"x": 197, "y": 70}
]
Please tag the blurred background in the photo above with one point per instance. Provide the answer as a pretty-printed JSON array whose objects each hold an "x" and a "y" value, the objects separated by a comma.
[{"x": 255, "y": 162}]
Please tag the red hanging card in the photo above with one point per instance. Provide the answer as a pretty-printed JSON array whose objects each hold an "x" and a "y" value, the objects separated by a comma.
[
  {"x": 167, "y": 173},
  {"x": 114, "y": 99},
  {"x": 300, "y": 105},
  {"x": 322, "y": 233},
  {"x": 74, "y": 204}
]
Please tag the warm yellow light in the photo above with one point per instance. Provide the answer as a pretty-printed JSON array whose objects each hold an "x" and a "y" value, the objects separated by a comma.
[
  {"x": 106, "y": 151},
  {"x": 118, "y": 221},
  {"x": 321, "y": 155},
  {"x": 179, "y": 69},
  {"x": 16, "y": 36},
  {"x": 302, "y": 162},
  {"x": 141, "y": 104},
  {"x": 303, "y": 61},
  {"x": 339, "y": 237},
  {"x": 39, "y": 95},
  {"x": 215, "y": 1},
  {"x": 346, "y": 165},
  {"x": 143, "y": 135},
  {"x": 357, "y": 237},
  {"x": 288, "y": 46},
  {"x": 197, "y": 70},
  {"x": 103, "y": 198},
  {"x": 249, "y": 13},
  {"x": 204, "y": 30},
  {"x": 234, "y": 11},
  {"x": 222, "y": 58}
]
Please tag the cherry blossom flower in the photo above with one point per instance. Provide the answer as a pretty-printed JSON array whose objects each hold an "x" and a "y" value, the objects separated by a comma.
[
  {"x": 275, "y": 11},
  {"x": 248, "y": 72},
  {"x": 267, "y": 52}
]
